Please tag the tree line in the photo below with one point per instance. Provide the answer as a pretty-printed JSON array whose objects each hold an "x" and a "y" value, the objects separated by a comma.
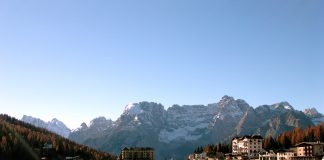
[{"x": 289, "y": 139}]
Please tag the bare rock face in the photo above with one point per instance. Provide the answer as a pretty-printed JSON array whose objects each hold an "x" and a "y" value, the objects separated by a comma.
[{"x": 175, "y": 132}]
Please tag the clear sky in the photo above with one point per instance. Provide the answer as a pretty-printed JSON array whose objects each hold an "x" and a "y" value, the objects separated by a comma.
[{"x": 79, "y": 59}]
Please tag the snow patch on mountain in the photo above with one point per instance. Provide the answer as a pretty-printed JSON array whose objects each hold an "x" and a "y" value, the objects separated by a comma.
[
  {"x": 133, "y": 109},
  {"x": 281, "y": 106},
  {"x": 288, "y": 107},
  {"x": 184, "y": 133}
]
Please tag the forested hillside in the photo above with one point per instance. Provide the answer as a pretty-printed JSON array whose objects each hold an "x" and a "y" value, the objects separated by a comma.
[
  {"x": 19, "y": 140},
  {"x": 290, "y": 138}
]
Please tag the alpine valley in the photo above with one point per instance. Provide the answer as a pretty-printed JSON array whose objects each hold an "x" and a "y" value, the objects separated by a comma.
[{"x": 177, "y": 131}]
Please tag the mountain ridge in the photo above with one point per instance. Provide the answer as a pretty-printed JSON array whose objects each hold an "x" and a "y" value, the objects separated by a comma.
[
  {"x": 54, "y": 125},
  {"x": 178, "y": 128}
]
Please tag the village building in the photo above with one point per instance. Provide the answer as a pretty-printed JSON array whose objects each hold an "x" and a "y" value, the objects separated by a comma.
[
  {"x": 309, "y": 151},
  {"x": 137, "y": 153},
  {"x": 271, "y": 155},
  {"x": 285, "y": 154},
  {"x": 198, "y": 156},
  {"x": 247, "y": 145}
]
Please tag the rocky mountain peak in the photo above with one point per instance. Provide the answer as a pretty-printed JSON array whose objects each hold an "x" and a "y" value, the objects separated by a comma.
[
  {"x": 142, "y": 113},
  {"x": 144, "y": 107},
  {"x": 55, "y": 121},
  {"x": 283, "y": 106},
  {"x": 100, "y": 123},
  {"x": 132, "y": 109},
  {"x": 84, "y": 125},
  {"x": 312, "y": 112},
  {"x": 227, "y": 101}
]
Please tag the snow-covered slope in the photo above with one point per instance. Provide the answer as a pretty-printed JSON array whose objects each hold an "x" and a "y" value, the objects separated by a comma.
[{"x": 54, "y": 125}]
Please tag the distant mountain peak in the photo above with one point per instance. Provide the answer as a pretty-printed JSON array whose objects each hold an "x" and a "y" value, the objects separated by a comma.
[
  {"x": 227, "y": 98},
  {"x": 54, "y": 125},
  {"x": 55, "y": 120},
  {"x": 312, "y": 112}
]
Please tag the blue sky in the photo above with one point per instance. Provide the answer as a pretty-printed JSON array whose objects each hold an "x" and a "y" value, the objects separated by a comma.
[{"x": 76, "y": 59}]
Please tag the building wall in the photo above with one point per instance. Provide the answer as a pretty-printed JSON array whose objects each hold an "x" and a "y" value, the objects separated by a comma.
[
  {"x": 246, "y": 145},
  {"x": 137, "y": 154},
  {"x": 268, "y": 156},
  {"x": 285, "y": 155},
  {"x": 310, "y": 150},
  {"x": 318, "y": 150}
]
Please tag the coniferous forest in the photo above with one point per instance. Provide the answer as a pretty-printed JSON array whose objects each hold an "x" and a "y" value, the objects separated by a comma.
[
  {"x": 291, "y": 138},
  {"x": 19, "y": 140},
  {"x": 285, "y": 140}
]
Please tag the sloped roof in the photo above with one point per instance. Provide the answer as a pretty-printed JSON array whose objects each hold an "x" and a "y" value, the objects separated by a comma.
[{"x": 308, "y": 144}]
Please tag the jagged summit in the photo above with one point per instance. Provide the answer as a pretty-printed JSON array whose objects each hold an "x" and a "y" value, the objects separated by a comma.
[
  {"x": 314, "y": 115},
  {"x": 144, "y": 107},
  {"x": 54, "y": 125},
  {"x": 227, "y": 101},
  {"x": 283, "y": 105},
  {"x": 84, "y": 125},
  {"x": 132, "y": 109},
  {"x": 312, "y": 112}
]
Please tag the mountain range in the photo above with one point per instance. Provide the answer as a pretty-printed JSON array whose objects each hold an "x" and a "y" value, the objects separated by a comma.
[{"x": 175, "y": 132}]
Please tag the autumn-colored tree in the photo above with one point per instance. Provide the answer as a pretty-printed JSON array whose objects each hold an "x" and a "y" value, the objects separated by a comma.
[{"x": 19, "y": 140}]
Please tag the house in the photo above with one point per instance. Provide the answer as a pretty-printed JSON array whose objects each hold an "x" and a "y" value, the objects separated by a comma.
[
  {"x": 249, "y": 145},
  {"x": 198, "y": 156},
  {"x": 271, "y": 155},
  {"x": 191, "y": 157},
  {"x": 201, "y": 156},
  {"x": 309, "y": 151},
  {"x": 137, "y": 153},
  {"x": 231, "y": 156},
  {"x": 285, "y": 154}
]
